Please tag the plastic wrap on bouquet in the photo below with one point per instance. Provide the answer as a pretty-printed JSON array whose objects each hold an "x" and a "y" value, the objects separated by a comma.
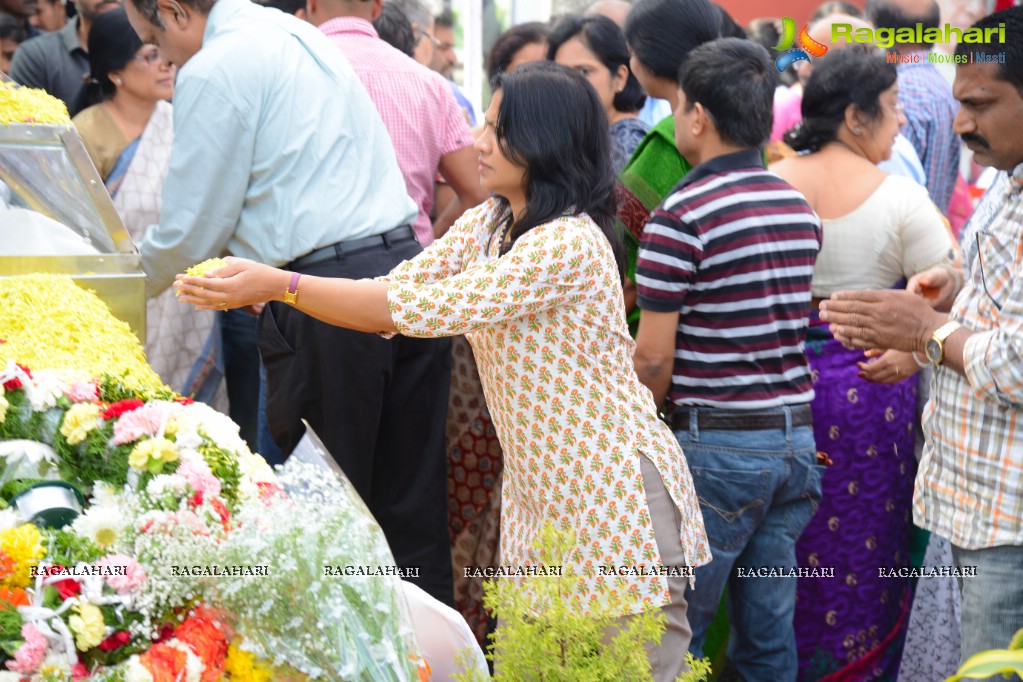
[{"x": 306, "y": 612}]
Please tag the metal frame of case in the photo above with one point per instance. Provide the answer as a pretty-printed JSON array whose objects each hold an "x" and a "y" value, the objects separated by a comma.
[{"x": 80, "y": 202}]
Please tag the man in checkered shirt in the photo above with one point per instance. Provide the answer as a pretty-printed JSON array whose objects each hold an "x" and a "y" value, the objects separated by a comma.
[{"x": 969, "y": 487}]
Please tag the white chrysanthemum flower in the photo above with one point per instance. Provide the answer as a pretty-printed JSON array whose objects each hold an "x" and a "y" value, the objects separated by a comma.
[
  {"x": 9, "y": 519},
  {"x": 219, "y": 428},
  {"x": 134, "y": 671},
  {"x": 165, "y": 484},
  {"x": 193, "y": 664},
  {"x": 47, "y": 388},
  {"x": 54, "y": 667},
  {"x": 103, "y": 525},
  {"x": 104, "y": 495}
]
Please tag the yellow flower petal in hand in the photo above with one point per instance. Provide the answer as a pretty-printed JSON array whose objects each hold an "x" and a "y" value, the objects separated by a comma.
[{"x": 200, "y": 269}]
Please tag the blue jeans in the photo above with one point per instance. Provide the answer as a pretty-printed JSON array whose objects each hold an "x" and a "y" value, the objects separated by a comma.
[
  {"x": 758, "y": 491},
  {"x": 992, "y": 601},
  {"x": 268, "y": 448}
]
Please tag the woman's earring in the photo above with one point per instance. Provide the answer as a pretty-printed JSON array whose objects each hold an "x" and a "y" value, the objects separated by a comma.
[{"x": 118, "y": 82}]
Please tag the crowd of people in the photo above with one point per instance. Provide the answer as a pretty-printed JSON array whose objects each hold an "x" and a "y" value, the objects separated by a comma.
[{"x": 691, "y": 310}]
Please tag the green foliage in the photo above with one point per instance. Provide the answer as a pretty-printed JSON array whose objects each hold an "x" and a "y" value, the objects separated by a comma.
[
  {"x": 10, "y": 630},
  {"x": 543, "y": 635},
  {"x": 94, "y": 459},
  {"x": 988, "y": 663},
  {"x": 22, "y": 423},
  {"x": 224, "y": 466},
  {"x": 67, "y": 548},
  {"x": 116, "y": 387},
  {"x": 13, "y": 488}
]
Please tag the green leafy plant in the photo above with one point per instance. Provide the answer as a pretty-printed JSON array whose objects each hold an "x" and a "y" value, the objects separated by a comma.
[
  {"x": 542, "y": 634},
  {"x": 987, "y": 663}
]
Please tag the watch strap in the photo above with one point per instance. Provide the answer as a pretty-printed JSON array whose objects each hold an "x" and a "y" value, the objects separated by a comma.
[
  {"x": 291, "y": 294},
  {"x": 941, "y": 334},
  {"x": 946, "y": 330}
]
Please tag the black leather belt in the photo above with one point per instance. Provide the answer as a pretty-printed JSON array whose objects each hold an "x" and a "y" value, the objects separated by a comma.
[
  {"x": 350, "y": 246},
  {"x": 712, "y": 418}
]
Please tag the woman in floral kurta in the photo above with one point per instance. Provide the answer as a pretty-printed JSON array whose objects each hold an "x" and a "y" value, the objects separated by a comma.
[
  {"x": 547, "y": 326},
  {"x": 544, "y": 311}
]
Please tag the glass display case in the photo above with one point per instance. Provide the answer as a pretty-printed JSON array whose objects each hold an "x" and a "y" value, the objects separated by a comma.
[{"x": 57, "y": 217}]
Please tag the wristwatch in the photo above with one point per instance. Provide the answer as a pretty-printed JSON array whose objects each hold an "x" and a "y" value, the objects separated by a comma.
[{"x": 935, "y": 347}]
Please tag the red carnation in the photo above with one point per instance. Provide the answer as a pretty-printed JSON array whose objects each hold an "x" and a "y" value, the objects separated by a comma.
[
  {"x": 182, "y": 400},
  {"x": 120, "y": 407},
  {"x": 15, "y": 383},
  {"x": 80, "y": 672},
  {"x": 222, "y": 512},
  {"x": 67, "y": 588},
  {"x": 115, "y": 641}
]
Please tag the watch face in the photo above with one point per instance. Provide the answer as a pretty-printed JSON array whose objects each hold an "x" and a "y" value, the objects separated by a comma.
[{"x": 933, "y": 350}]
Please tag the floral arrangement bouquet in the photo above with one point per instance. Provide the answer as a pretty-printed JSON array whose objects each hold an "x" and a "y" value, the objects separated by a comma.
[{"x": 192, "y": 560}]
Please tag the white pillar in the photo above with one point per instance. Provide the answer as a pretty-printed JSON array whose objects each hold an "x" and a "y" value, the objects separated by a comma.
[
  {"x": 473, "y": 73},
  {"x": 530, "y": 10}
]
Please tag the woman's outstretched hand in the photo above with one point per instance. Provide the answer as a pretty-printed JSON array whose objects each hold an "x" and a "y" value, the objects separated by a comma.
[{"x": 238, "y": 284}]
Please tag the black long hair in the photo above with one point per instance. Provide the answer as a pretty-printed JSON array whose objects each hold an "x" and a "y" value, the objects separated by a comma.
[
  {"x": 857, "y": 74},
  {"x": 662, "y": 33},
  {"x": 112, "y": 44},
  {"x": 511, "y": 41},
  {"x": 551, "y": 123},
  {"x": 607, "y": 42}
]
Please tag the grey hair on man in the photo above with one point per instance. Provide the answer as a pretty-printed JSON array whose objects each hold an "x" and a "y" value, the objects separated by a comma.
[
  {"x": 418, "y": 13},
  {"x": 151, "y": 12}
]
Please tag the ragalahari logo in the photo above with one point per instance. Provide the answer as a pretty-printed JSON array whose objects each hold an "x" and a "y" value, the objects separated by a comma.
[{"x": 805, "y": 45}]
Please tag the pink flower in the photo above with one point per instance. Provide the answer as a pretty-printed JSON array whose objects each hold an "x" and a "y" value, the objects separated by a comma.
[
  {"x": 128, "y": 577},
  {"x": 30, "y": 654},
  {"x": 145, "y": 421},
  {"x": 80, "y": 672},
  {"x": 82, "y": 392},
  {"x": 199, "y": 477}
]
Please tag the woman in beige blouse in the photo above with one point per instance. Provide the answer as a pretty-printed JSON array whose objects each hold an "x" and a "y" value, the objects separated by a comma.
[
  {"x": 878, "y": 231},
  {"x": 533, "y": 278}
]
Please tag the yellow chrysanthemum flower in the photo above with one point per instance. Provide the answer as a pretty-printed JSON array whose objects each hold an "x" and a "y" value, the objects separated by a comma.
[
  {"x": 24, "y": 546},
  {"x": 152, "y": 454},
  {"x": 87, "y": 625},
  {"x": 50, "y": 322},
  {"x": 30, "y": 105},
  {"x": 241, "y": 666},
  {"x": 79, "y": 421}
]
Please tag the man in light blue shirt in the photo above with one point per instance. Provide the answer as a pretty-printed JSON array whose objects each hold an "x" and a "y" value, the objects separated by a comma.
[{"x": 280, "y": 156}]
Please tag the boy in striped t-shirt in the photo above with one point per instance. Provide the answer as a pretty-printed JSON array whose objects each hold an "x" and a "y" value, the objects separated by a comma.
[{"x": 723, "y": 278}]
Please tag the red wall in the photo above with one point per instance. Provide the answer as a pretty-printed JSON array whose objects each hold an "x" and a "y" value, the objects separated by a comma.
[{"x": 800, "y": 10}]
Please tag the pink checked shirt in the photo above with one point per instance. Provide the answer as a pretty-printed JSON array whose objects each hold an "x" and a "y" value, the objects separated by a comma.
[{"x": 416, "y": 104}]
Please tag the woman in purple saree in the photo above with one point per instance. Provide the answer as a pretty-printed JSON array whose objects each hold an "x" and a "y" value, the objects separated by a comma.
[{"x": 879, "y": 230}]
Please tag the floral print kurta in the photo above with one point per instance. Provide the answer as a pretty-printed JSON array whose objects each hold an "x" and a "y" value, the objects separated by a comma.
[{"x": 547, "y": 325}]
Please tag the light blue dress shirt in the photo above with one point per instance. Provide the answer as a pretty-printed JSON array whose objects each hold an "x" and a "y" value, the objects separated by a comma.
[
  {"x": 904, "y": 161},
  {"x": 278, "y": 149}
]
